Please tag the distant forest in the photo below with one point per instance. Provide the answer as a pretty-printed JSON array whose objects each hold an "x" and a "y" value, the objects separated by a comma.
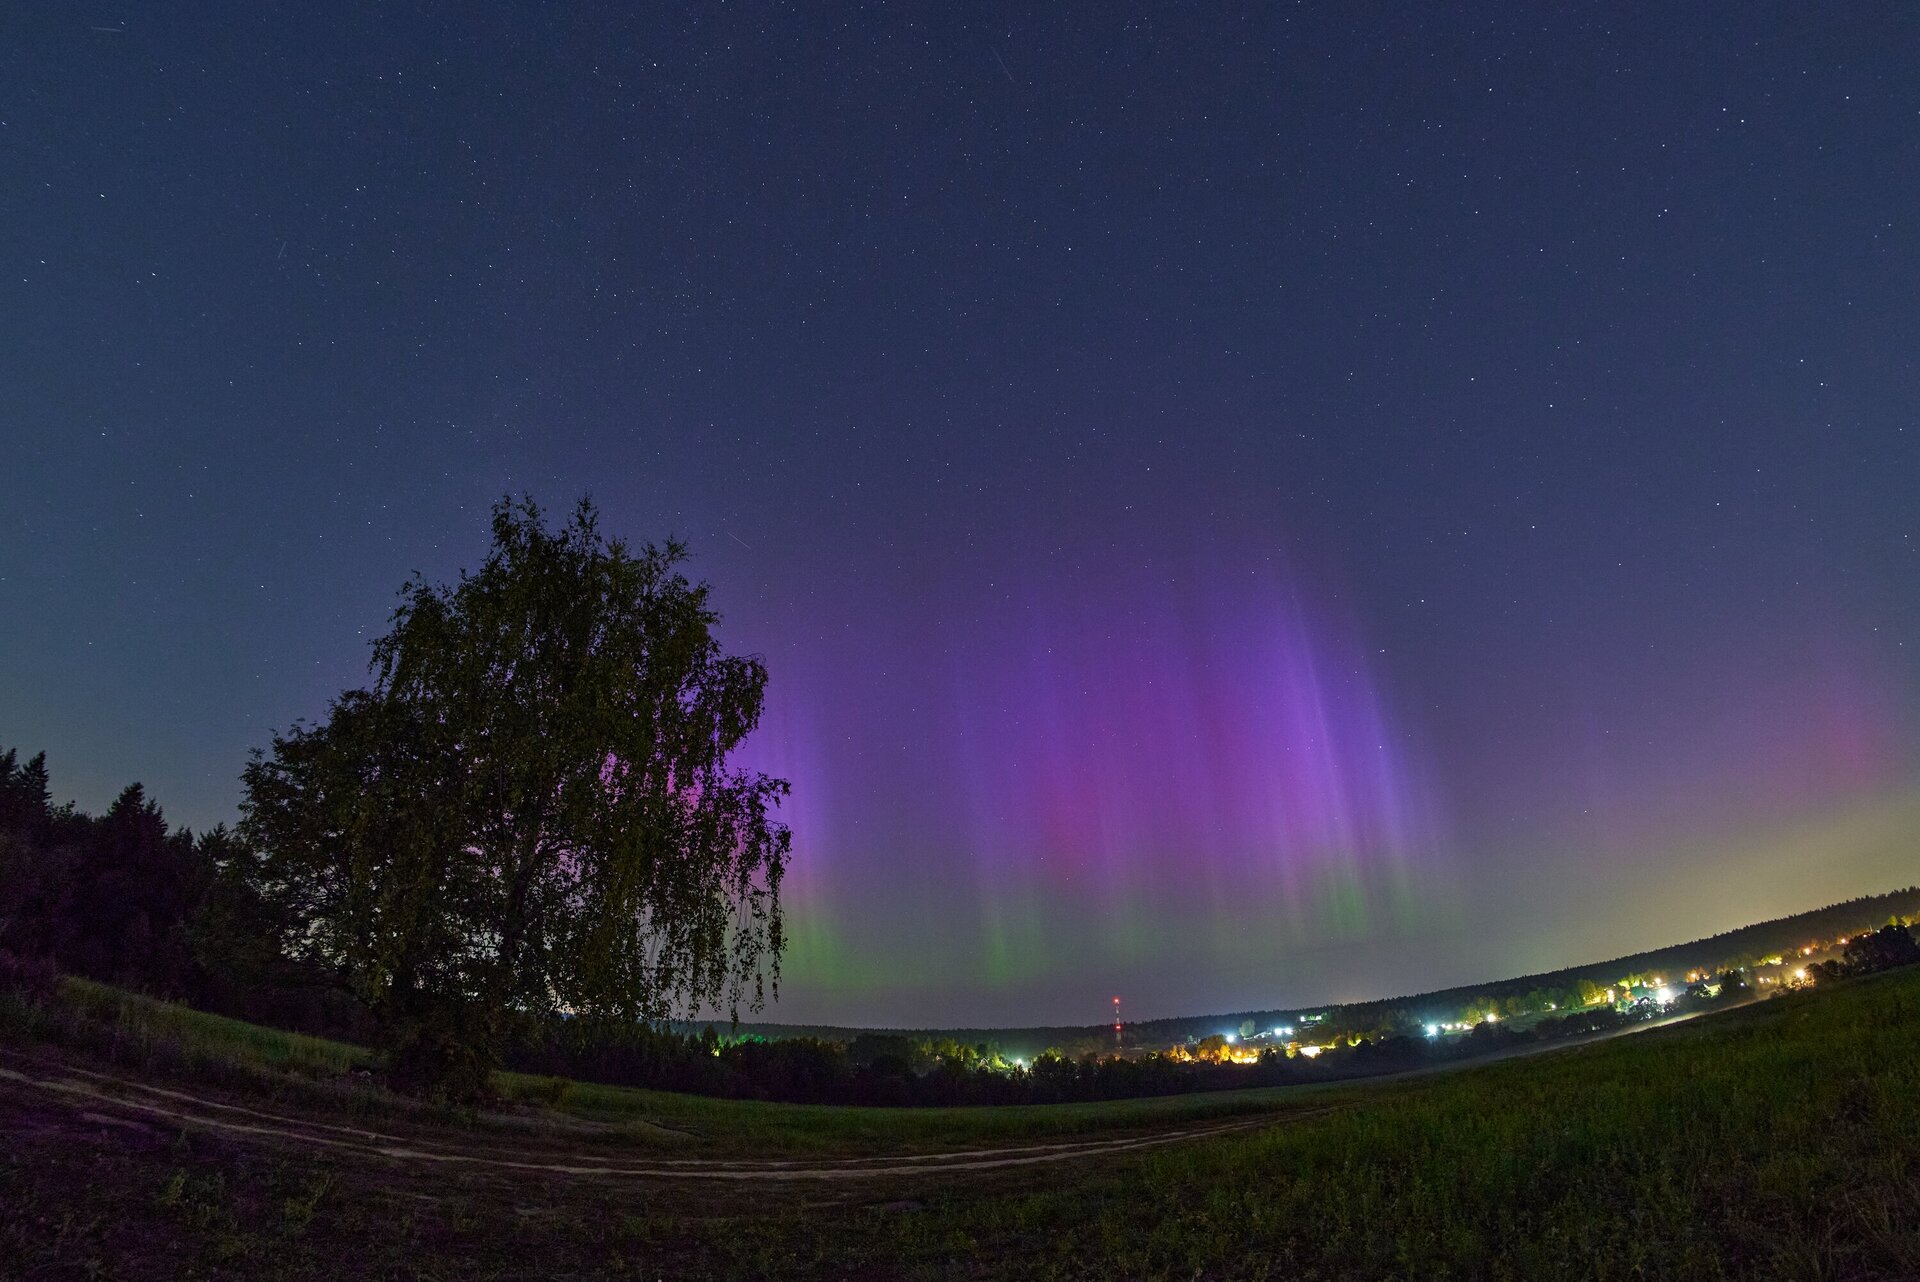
[
  {"x": 120, "y": 898},
  {"x": 1572, "y": 986}
]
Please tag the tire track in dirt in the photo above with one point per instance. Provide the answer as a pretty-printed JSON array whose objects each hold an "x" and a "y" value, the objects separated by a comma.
[{"x": 87, "y": 1092}]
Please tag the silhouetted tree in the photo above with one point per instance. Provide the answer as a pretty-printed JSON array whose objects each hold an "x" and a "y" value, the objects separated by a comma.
[
  {"x": 107, "y": 897},
  {"x": 26, "y": 805},
  {"x": 1825, "y": 972},
  {"x": 1883, "y": 949},
  {"x": 869, "y": 1048},
  {"x": 532, "y": 808}
]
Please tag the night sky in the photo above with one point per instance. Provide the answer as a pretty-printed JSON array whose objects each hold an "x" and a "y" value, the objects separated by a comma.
[{"x": 1238, "y": 510}]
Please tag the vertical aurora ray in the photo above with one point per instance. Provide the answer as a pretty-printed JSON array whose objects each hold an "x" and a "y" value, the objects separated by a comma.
[
  {"x": 1203, "y": 792},
  {"x": 1229, "y": 766},
  {"x": 1194, "y": 781}
]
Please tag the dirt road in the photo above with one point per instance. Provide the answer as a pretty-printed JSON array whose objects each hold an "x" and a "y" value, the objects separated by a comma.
[
  {"x": 110, "y": 1100},
  {"x": 95, "y": 1093}
]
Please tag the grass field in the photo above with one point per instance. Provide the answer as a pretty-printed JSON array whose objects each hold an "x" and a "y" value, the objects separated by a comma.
[
  {"x": 1777, "y": 1141},
  {"x": 192, "y": 1046}
]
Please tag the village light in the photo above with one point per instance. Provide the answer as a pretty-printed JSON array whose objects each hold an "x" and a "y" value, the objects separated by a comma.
[{"x": 1433, "y": 1030}]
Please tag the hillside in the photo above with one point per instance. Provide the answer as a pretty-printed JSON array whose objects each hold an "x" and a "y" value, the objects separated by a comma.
[
  {"x": 1746, "y": 946},
  {"x": 1680, "y": 1152}
]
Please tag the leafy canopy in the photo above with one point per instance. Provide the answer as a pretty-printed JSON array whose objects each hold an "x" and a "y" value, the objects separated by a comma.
[{"x": 532, "y": 808}]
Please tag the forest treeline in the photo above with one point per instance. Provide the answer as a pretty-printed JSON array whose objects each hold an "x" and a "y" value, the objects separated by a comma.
[
  {"x": 121, "y": 898},
  {"x": 1739, "y": 951},
  {"x": 1567, "y": 988},
  {"x": 901, "y": 1070}
]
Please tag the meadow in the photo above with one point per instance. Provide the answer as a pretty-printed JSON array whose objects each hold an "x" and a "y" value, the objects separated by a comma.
[
  {"x": 1781, "y": 1140},
  {"x": 190, "y": 1047}
]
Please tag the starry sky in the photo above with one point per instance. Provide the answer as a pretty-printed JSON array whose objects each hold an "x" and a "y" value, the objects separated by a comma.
[{"x": 1240, "y": 508}]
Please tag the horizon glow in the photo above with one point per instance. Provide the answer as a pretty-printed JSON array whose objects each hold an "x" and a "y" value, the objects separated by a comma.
[
  {"x": 1119, "y": 783},
  {"x": 1212, "y": 780}
]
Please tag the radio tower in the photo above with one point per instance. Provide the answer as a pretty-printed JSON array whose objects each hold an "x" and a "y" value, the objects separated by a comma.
[{"x": 1116, "y": 1023}]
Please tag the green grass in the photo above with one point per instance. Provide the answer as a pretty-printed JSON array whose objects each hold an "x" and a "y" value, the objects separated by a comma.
[
  {"x": 1777, "y": 1141},
  {"x": 1781, "y": 1140},
  {"x": 215, "y": 1037},
  {"x": 800, "y": 1129},
  {"x": 158, "y": 1037}
]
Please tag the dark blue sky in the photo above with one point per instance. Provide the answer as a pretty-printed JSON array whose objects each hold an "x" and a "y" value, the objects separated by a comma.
[{"x": 1238, "y": 509}]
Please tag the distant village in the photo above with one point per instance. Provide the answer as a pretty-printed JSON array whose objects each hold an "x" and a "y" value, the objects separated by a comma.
[{"x": 1633, "y": 996}]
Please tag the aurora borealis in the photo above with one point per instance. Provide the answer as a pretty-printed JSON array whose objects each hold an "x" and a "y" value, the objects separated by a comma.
[
  {"x": 1220, "y": 779},
  {"x": 1238, "y": 512},
  {"x": 1122, "y": 782}
]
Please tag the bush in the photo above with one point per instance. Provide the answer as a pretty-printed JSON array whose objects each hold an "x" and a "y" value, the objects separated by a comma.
[
  {"x": 34, "y": 978},
  {"x": 436, "y": 1058}
]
